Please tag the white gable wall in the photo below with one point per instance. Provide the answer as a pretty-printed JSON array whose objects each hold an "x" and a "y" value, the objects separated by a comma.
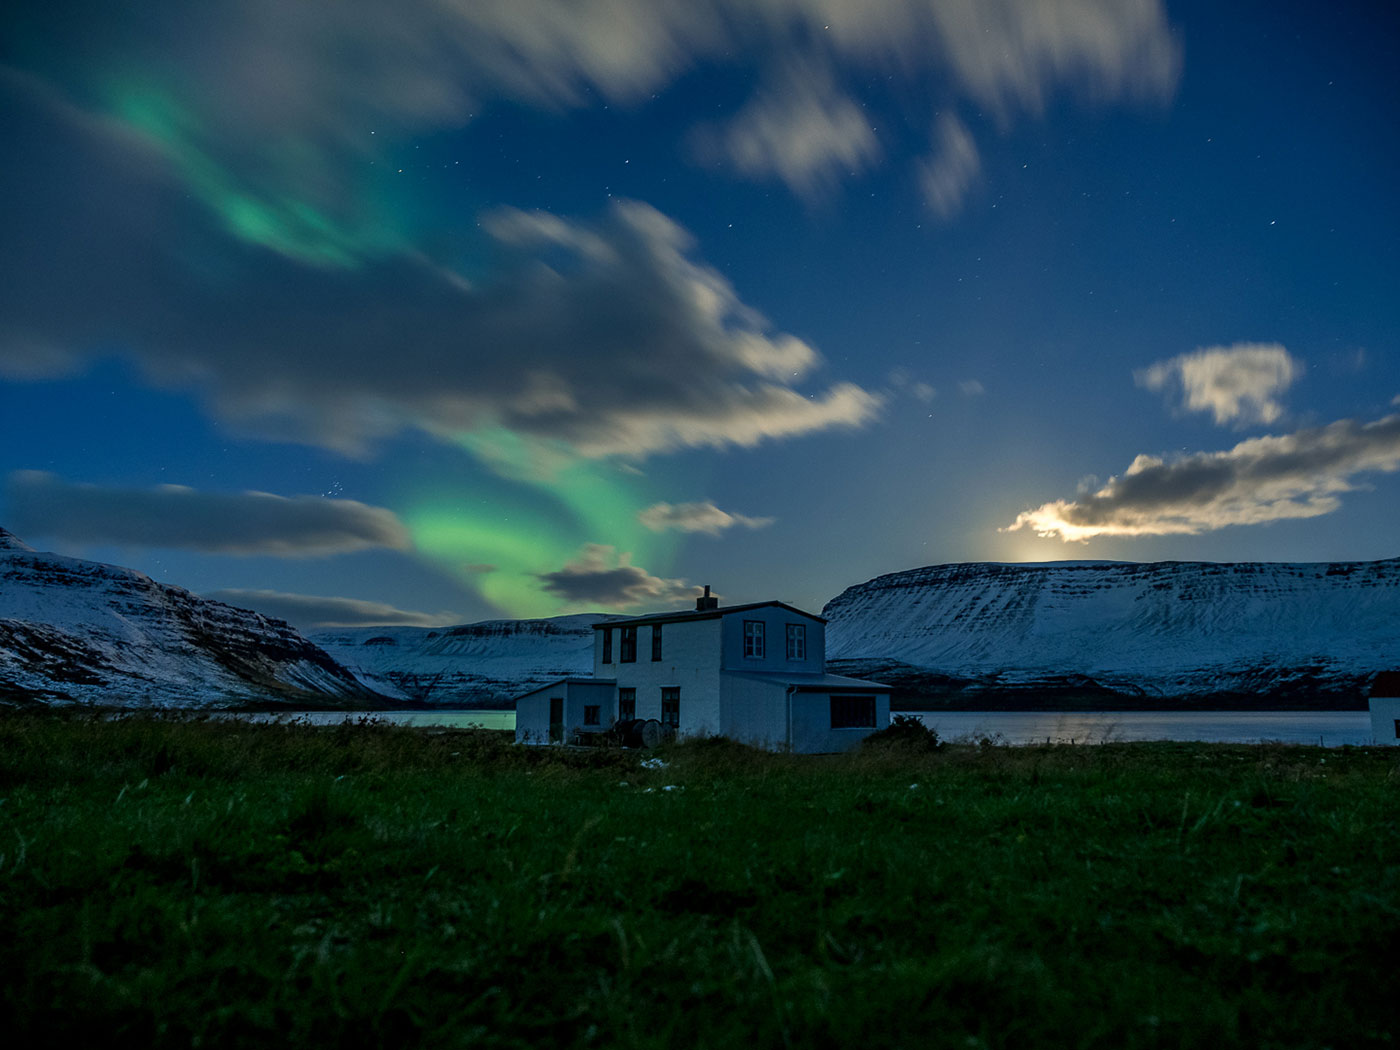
[
  {"x": 775, "y": 620},
  {"x": 532, "y": 709},
  {"x": 1385, "y": 717},
  {"x": 689, "y": 661}
]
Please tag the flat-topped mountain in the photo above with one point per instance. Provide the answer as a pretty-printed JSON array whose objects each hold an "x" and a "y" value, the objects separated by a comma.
[
  {"x": 75, "y": 631},
  {"x": 1060, "y": 634},
  {"x": 1123, "y": 634}
]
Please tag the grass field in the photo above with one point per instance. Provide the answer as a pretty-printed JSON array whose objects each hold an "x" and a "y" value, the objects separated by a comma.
[{"x": 213, "y": 883}]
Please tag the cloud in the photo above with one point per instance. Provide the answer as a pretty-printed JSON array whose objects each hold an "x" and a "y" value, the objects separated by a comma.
[
  {"x": 1237, "y": 384},
  {"x": 309, "y": 612},
  {"x": 947, "y": 175},
  {"x": 1298, "y": 475},
  {"x": 971, "y": 388},
  {"x": 696, "y": 517},
  {"x": 598, "y": 338},
  {"x": 244, "y": 523},
  {"x": 261, "y": 104},
  {"x": 601, "y": 578},
  {"x": 800, "y": 129}
]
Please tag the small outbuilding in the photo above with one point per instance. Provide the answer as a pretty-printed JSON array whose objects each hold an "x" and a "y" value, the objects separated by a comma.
[
  {"x": 754, "y": 673},
  {"x": 1385, "y": 708}
]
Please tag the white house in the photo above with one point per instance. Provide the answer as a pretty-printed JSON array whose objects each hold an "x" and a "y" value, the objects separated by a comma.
[
  {"x": 754, "y": 673},
  {"x": 1385, "y": 708}
]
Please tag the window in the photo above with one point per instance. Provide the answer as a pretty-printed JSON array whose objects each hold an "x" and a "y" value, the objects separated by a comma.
[
  {"x": 656, "y": 641},
  {"x": 671, "y": 707},
  {"x": 627, "y": 703},
  {"x": 852, "y": 712},
  {"x": 1397, "y": 729},
  {"x": 796, "y": 641},
  {"x": 590, "y": 714},
  {"x": 753, "y": 639},
  {"x": 556, "y": 719},
  {"x": 607, "y": 645},
  {"x": 629, "y": 646}
]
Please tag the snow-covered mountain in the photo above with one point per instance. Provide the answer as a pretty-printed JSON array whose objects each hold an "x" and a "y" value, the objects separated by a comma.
[
  {"x": 74, "y": 631},
  {"x": 1066, "y": 634},
  {"x": 474, "y": 665},
  {"x": 1123, "y": 634}
]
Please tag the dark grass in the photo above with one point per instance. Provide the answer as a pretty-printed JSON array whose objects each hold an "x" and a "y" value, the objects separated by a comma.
[{"x": 178, "y": 883}]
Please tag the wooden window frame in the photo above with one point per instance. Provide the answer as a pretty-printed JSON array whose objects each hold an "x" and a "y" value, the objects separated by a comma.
[
  {"x": 797, "y": 632},
  {"x": 754, "y": 648}
]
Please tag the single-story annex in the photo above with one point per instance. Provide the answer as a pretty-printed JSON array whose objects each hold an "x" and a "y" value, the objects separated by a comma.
[
  {"x": 754, "y": 673},
  {"x": 1385, "y": 708}
]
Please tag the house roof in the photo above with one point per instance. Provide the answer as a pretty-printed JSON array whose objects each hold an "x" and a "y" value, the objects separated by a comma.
[
  {"x": 563, "y": 681},
  {"x": 812, "y": 683},
  {"x": 1386, "y": 684},
  {"x": 705, "y": 614}
]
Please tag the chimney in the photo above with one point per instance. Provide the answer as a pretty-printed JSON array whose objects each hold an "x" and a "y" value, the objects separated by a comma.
[{"x": 705, "y": 603}]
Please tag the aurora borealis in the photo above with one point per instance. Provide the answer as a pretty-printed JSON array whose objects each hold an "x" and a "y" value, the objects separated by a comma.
[{"x": 444, "y": 310}]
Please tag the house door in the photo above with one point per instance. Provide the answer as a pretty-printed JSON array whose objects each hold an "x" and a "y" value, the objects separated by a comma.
[{"x": 556, "y": 719}]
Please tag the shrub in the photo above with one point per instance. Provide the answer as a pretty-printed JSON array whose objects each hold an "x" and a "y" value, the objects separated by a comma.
[{"x": 905, "y": 733}]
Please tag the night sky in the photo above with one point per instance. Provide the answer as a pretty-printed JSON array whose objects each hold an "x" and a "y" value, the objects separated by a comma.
[{"x": 428, "y": 312}]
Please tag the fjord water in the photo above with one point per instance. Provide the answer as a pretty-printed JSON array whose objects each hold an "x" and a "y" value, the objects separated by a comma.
[{"x": 1328, "y": 728}]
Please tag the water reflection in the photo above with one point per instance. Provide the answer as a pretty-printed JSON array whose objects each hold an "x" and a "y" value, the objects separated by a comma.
[{"x": 1327, "y": 728}]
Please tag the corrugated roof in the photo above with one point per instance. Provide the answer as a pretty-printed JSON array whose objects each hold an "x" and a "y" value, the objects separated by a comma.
[
  {"x": 694, "y": 614},
  {"x": 1386, "y": 684},
  {"x": 564, "y": 681},
  {"x": 813, "y": 683}
]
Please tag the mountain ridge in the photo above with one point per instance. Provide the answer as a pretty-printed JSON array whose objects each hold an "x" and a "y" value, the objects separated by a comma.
[
  {"x": 1122, "y": 634},
  {"x": 1073, "y": 634},
  {"x": 83, "y": 632}
]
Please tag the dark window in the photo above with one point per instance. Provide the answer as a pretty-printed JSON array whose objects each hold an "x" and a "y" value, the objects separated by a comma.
[
  {"x": 671, "y": 707},
  {"x": 656, "y": 641},
  {"x": 1397, "y": 729},
  {"x": 627, "y": 703},
  {"x": 590, "y": 714},
  {"x": 753, "y": 639},
  {"x": 852, "y": 712},
  {"x": 628, "y": 655},
  {"x": 796, "y": 641},
  {"x": 556, "y": 719},
  {"x": 607, "y": 645}
]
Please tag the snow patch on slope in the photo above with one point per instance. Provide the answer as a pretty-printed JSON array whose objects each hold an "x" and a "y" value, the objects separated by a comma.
[
  {"x": 75, "y": 631},
  {"x": 472, "y": 665},
  {"x": 1166, "y": 629}
]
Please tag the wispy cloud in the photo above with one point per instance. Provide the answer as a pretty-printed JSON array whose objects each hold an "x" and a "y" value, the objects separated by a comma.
[
  {"x": 1298, "y": 475},
  {"x": 600, "y": 578},
  {"x": 1237, "y": 384},
  {"x": 310, "y": 612},
  {"x": 296, "y": 92},
  {"x": 971, "y": 388},
  {"x": 244, "y": 523},
  {"x": 800, "y": 129},
  {"x": 696, "y": 517},
  {"x": 948, "y": 173}
]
